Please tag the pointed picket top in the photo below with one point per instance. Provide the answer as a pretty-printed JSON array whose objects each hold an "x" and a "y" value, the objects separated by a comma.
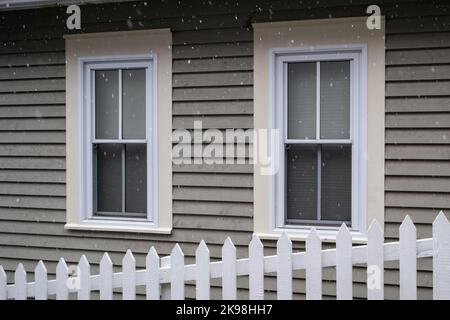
[
  {"x": 62, "y": 292},
  {"x": 256, "y": 242},
  {"x": 202, "y": 253},
  {"x": 408, "y": 260},
  {"x": 344, "y": 290},
  {"x": 84, "y": 267},
  {"x": 229, "y": 281},
  {"x": 40, "y": 267},
  {"x": 40, "y": 279},
  {"x": 407, "y": 225},
  {"x": 152, "y": 275},
  {"x": 256, "y": 269},
  {"x": 202, "y": 286},
  {"x": 202, "y": 249},
  {"x": 152, "y": 255},
  {"x": 344, "y": 233},
  {"x": 313, "y": 235},
  {"x": 441, "y": 220},
  {"x": 177, "y": 252},
  {"x": 106, "y": 277},
  {"x": 129, "y": 276},
  {"x": 84, "y": 263},
  {"x": 83, "y": 280},
  {"x": 227, "y": 244},
  {"x": 106, "y": 261},
  {"x": 441, "y": 257},
  {"x": 284, "y": 267},
  {"x": 177, "y": 273},
  {"x": 20, "y": 283},
  {"x": 20, "y": 270},
  {"x": 128, "y": 258},
  {"x": 3, "y": 283},
  {"x": 374, "y": 230},
  {"x": 284, "y": 240},
  {"x": 62, "y": 266}
]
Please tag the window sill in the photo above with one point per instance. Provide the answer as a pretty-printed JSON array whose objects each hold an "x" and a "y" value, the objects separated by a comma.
[
  {"x": 301, "y": 234},
  {"x": 118, "y": 226}
]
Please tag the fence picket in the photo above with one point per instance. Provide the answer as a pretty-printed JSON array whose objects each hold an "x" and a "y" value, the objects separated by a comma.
[
  {"x": 84, "y": 279},
  {"x": 408, "y": 260},
  {"x": 202, "y": 284},
  {"x": 313, "y": 266},
  {"x": 3, "y": 283},
  {"x": 20, "y": 283},
  {"x": 129, "y": 276},
  {"x": 40, "y": 281},
  {"x": 177, "y": 273},
  {"x": 62, "y": 290},
  {"x": 284, "y": 268},
  {"x": 256, "y": 269},
  {"x": 441, "y": 258},
  {"x": 229, "y": 287},
  {"x": 106, "y": 278},
  {"x": 375, "y": 262},
  {"x": 344, "y": 267},
  {"x": 152, "y": 275}
]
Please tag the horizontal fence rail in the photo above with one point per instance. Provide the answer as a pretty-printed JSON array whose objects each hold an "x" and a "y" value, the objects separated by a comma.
[{"x": 165, "y": 278}]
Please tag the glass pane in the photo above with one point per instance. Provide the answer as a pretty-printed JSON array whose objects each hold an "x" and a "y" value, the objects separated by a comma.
[
  {"x": 106, "y": 104},
  {"x": 302, "y": 100},
  {"x": 133, "y": 103},
  {"x": 108, "y": 177},
  {"x": 336, "y": 182},
  {"x": 335, "y": 100},
  {"x": 301, "y": 184},
  {"x": 136, "y": 178}
]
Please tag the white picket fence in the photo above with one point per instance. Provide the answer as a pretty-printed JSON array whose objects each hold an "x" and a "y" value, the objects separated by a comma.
[{"x": 171, "y": 273}]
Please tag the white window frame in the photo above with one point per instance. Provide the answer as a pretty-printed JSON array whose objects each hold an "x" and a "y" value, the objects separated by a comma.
[
  {"x": 90, "y": 65},
  {"x": 311, "y": 36},
  {"x": 357, "y": 55},
  {"x": 143, "y": 46}
]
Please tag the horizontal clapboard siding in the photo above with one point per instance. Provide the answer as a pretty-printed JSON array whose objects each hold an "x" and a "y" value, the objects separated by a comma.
[
  {"x": 417, "y": 125},
  {"x": 212, "y": 82},
  {"x": 30, "y": 111}
]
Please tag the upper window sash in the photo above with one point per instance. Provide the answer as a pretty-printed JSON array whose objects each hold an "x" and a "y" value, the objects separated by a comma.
[
  {"x": 282, "y": 61},
  {"x": 120, "y": 66}
]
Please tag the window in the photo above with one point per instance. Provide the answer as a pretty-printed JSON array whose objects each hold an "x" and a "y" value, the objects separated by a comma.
[
  {"x": 121, "y": 142},
  {"x": 118, "y": 131},
  {"x": 317, "y": 94},
  {"x": 320, "y": 83}
]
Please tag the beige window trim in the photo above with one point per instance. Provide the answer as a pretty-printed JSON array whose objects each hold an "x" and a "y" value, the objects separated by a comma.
[
  {"x": 157, "y": 44},
  {"x": 309, "y": 34}
]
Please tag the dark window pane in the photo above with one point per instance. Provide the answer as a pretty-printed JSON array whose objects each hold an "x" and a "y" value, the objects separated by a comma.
[
  {"x": 302, "y": 100},
  {"x": 335, "y": 100},
  {"x": 301, "y": 184},
  {"x": 336, "y": 182},
  {"x": 108, "y": 177},
  {"x": 107, "y": 104},
  {"x": 136, "y": 178},
  {"x": 133, "y": 103}
]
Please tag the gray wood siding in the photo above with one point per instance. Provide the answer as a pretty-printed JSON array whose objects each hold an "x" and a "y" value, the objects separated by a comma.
[{"x": 212, "y": 81}]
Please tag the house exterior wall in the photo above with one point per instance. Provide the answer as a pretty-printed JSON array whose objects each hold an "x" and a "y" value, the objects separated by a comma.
[{"x": 213, "y": 82}]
